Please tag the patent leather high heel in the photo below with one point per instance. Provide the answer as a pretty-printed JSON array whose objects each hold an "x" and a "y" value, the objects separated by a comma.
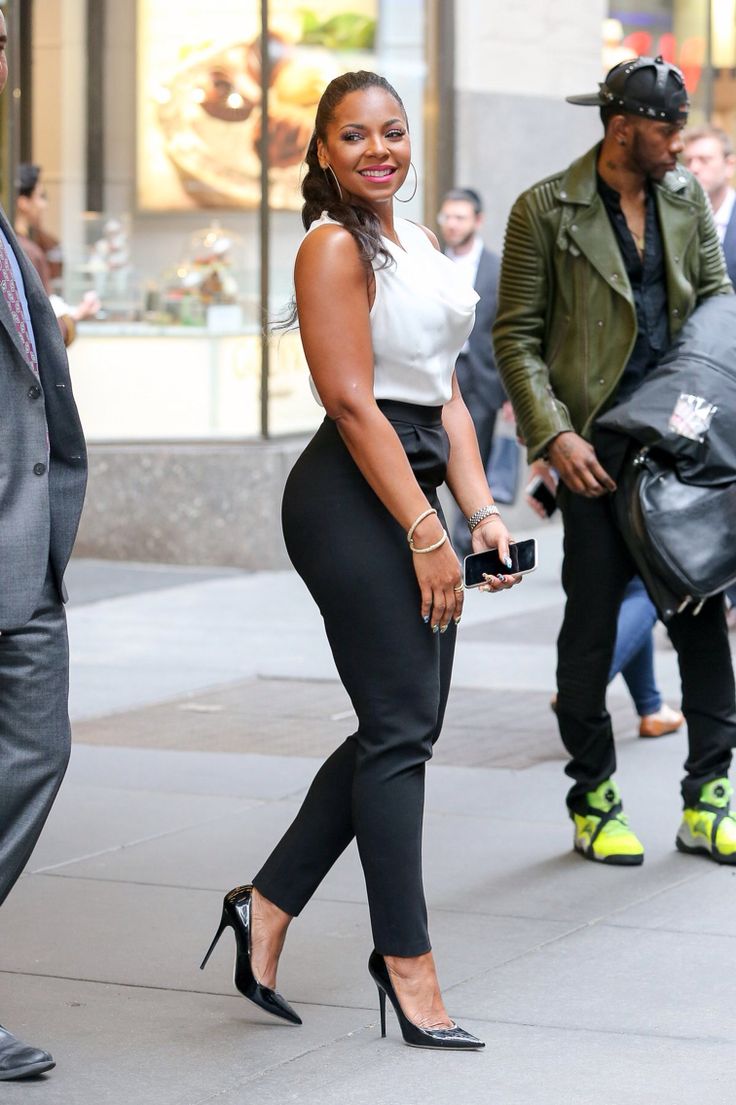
[
  {"x": 237, "y": 914},
  {"x": 449, "y": 1039}
]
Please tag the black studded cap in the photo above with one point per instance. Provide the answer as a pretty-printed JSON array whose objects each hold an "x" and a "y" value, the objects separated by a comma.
[{"x": 649, "y": 87}]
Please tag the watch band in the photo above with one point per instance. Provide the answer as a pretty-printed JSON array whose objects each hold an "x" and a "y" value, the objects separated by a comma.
[{"x": 479, "y": 516}]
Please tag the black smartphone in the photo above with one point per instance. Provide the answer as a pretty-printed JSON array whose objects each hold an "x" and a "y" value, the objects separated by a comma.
[
  {"x": 523, "y": 559},
  {"x": 537, "y": 489}
]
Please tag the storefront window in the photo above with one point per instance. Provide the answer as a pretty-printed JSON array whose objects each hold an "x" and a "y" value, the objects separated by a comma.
[
  {"x": 176, "y": 254},
  {"x": 697, "y": 35}
]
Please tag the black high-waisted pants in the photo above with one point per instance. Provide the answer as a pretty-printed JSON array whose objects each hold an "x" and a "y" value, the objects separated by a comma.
[{"x": 355, "y": 560}]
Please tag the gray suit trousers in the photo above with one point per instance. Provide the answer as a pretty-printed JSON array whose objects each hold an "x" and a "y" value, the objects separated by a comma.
[{"x": 35, "y": 736}]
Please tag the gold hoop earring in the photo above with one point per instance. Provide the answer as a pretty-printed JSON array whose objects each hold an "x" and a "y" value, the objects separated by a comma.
[
  {"x": 416, "y": 185},
  {"x": 337, "y": 182}
]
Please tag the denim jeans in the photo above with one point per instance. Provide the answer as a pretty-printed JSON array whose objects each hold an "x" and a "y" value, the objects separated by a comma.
[{"x": 633, "y": 655}]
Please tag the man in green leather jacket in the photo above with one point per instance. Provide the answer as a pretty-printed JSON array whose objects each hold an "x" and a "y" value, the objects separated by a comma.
[{"x": 602, "y": 265}]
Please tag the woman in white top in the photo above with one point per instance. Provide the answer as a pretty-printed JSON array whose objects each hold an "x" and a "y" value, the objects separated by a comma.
[{"x": 383, "y": 315}]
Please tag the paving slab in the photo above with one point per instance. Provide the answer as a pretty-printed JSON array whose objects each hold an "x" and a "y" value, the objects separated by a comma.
[
  {"x": 139, "y": 649},
  {"x": 89, "y": 580},
  {"x": 650, "y": 983},
  {"x": 122, "y": 933},
  {"x": 134, "y": 1046},
  {"x": 183, "y": 772},
  {"x": 224, "y": 852},
  {"x": 521, "y": 1065},
  {"x": 707, "y": 906},
  {"x": 148, "y": 936},
  {"x": 298, "y": 718},
  {"x": 92, "y": 822}
]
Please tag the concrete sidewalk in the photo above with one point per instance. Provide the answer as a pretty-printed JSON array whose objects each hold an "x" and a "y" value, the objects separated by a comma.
[{"x": 202, "y": 703}]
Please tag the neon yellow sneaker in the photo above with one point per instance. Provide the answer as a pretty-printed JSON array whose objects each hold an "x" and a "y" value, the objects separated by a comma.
[
  {"x": 709, "y": 827},
  {"x": 602, "y": 833}
]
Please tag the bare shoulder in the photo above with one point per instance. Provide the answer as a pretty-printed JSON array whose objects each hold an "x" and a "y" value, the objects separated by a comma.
[
  {"x": 430, "y": 234},
  {"x": 329, "y": 246}
]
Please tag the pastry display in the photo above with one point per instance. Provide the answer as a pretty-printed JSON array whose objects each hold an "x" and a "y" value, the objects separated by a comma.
[
  {"x": 210, "y": 111},
  {"x": 226, "y": 95},
  {"x": 205, "y": 277}
]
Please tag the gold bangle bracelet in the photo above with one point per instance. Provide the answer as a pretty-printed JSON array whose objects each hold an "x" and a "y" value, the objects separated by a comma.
[
  {"x": 429, "y": 548},
  {"x": 415, "y": 523}
]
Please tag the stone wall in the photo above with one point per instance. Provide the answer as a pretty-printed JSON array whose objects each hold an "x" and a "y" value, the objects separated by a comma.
[
  {"x": 188, "y": 504},
  {"x": 514, "y": 65}
]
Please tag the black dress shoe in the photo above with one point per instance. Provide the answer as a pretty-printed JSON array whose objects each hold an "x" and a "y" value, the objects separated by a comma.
[{"x": 19, "y": 1060}]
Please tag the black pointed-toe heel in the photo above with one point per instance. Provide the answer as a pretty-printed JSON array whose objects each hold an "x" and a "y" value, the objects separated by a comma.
[
  {"x": 236, "y": 914},
  {"x": 448, "y": 1039}
]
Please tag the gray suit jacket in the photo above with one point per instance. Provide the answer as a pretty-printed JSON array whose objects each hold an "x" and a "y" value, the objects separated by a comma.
[
  {"x": 729, "y": 247},
  {"x": 477, "y": 374},
  {"x": 41, "y": 487}
]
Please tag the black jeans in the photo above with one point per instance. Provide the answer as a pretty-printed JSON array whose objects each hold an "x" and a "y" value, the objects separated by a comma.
[
  {"x": 595, "y": 572},
  {"x": 355, "y": 560}
]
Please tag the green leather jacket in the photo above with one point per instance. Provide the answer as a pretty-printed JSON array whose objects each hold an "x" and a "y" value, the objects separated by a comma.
[{"x": 566, "y": 321}]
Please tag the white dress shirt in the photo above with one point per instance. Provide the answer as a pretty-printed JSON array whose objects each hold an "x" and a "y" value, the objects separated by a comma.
[{"x": 722, "y": 216}]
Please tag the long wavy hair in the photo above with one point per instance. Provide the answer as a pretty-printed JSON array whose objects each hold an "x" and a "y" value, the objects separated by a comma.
[{"x": 319, "y": 187}]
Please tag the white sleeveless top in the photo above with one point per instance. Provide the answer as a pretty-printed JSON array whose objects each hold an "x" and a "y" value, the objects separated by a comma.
[{"x": 421, "y": 317}]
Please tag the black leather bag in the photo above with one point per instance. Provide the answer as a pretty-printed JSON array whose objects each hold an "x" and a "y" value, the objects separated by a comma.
[
  {"x": 681, "y": 535},
  {"x": 676, "y": 498}
]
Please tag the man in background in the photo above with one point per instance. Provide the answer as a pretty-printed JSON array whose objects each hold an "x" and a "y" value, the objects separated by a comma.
[
  {"x": 709, "y": 155},
  {"x": 603, "y": 264},
  {"x": 460, "y": 220}
]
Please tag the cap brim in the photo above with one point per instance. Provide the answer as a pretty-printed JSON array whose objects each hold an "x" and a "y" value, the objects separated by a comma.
[{"x": 590, "y": 99}]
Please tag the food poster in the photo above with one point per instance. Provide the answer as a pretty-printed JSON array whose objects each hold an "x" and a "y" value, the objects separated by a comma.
[{"x": 199, "y": 95}]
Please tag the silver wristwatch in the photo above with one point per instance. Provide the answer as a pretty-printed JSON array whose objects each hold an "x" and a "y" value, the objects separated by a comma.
[{"x": 480, "y": 516}]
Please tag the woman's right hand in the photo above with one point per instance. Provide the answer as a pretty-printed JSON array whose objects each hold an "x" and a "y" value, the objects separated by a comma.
[{"x": 439, "y": 576}]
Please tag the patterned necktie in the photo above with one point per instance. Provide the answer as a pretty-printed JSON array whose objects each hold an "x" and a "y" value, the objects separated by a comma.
[{"x": 12, "y": 298}]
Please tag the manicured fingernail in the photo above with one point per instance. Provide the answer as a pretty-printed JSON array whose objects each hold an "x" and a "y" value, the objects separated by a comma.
[
  {"x": 457, "y": 621},
  {"x": 425, "y": 619},
  {"x": 502, "y": 578},
  {"x": 443, "y": 629},
  {"x": 507, "y": 561},
  {"x": 435, "y": 629}
]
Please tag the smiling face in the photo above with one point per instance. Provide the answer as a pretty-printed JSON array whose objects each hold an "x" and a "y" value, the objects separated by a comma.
[{"x": 367, "y": 146}]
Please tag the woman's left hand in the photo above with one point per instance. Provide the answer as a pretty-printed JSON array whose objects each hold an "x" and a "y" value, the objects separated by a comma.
[{"x": 492, "y": 534}]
